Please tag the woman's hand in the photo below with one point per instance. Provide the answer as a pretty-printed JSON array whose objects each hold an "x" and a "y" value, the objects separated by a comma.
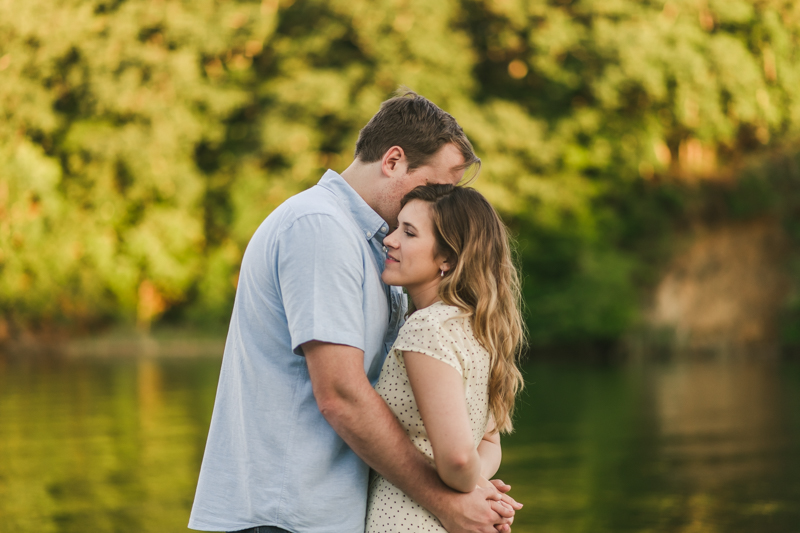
[
  {"x": 504, "y": 499},
  {"x": 503, "y": 488},
  {"x": 504, "y": 504},
  {"x": 481, "y": 510}
]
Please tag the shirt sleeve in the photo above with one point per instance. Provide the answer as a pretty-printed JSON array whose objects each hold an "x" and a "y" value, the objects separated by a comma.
[
  {"x": 321, "y": 279},
  {"x": 426, "y": 334}
]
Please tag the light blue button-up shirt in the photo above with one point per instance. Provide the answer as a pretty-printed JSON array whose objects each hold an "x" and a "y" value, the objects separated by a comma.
[{"x": 311, "y": 272}]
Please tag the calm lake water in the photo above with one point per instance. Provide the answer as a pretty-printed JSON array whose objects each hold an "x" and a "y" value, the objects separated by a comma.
[{"x": 93, "y": 444}]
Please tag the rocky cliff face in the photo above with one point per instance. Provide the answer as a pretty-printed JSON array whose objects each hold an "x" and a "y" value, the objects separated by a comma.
[{"x": 725, "y": 290}]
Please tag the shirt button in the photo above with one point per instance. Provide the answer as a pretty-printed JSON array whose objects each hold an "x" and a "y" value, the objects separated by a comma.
[
  {"x": 369, "y": 235},
  {"x": 384, "y": 229}
]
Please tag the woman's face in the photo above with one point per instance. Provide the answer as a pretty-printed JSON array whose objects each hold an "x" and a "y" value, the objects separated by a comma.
[{"x": 412, "y": 261}]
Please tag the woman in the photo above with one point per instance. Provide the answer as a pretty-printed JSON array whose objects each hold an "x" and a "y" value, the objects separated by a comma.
[{"x": 451, "y": 376}]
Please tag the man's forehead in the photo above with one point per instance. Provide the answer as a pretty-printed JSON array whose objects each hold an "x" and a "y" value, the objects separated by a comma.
[
  {"x": 451, "y": 156},
  {"x": 454, "y": 174},
  {"x": 451, "y": 162}
]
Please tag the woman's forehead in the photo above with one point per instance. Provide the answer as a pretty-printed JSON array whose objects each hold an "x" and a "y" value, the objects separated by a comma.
[{"x": 416, "y": 213}]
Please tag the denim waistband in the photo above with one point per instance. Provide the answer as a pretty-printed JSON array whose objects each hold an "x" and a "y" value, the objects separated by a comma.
[{"x": 262, "y": 529}]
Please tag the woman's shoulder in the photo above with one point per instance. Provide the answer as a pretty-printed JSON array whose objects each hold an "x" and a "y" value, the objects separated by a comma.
[
  {"x": 431, "y": 331},
  {"x": 443, "y": 330},
  {"x": 435, "y": 314},
  {"x": 439, "y": 319}
]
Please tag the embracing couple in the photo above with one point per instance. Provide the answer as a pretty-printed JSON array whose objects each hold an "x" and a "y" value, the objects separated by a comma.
[{"x": 326, "y": 374}]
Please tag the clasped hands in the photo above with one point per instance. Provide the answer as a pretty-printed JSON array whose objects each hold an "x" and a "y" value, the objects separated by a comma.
[{"x": 506, "y": 506}]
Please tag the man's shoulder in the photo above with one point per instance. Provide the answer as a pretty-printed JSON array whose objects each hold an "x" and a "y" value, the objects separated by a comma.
[
  {"x": 314, "y": 202},
  {"x": 313, "y": 214}
]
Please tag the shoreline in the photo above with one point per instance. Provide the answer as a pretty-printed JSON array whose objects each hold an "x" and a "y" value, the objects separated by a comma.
[{"x": 121, "y": 343}]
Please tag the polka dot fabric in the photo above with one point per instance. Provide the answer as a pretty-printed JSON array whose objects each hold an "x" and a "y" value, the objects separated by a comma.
[{"x": 437, "y": 331}]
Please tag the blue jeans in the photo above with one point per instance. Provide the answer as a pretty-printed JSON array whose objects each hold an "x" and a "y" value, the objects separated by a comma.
[{"x": 262, "y": 529}]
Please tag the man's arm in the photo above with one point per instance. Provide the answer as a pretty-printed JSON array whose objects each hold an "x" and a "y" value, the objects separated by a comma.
[{"x": 364, "y": 421}]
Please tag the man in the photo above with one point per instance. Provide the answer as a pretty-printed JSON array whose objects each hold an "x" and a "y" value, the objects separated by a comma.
[{"x": 296, "y": 420}]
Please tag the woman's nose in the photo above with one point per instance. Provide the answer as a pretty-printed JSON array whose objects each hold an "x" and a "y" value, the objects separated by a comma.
[{"x": 389, "y": 241}]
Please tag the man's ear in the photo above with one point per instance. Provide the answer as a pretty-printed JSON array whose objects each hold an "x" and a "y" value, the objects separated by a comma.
[{"x": 393, "y": 163}]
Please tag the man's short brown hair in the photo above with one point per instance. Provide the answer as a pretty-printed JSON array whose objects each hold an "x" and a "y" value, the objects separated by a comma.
[{"x": 418, "y": 126}]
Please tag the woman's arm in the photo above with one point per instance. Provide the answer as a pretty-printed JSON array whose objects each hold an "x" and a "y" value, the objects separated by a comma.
[
  {"x": 490, "y": 451},
  {"x": 439, "y": 392}
]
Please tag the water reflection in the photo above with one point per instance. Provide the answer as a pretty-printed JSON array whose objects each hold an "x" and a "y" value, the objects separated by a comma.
[
  {"x": 103, "y": 444},
  {"x": 727, "y": 437},
  {"x": 720, "y": 422},
  {"x": 693, "y": 447}
]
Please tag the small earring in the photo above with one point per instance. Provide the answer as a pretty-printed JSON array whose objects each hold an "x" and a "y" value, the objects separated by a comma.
[{"x": 441, "y": 273}]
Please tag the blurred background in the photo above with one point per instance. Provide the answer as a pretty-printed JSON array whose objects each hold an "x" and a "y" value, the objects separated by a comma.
[{"x": 645, "y": 154}]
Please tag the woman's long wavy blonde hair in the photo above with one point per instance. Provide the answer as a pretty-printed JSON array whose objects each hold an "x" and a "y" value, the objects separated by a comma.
[{"x": 482, "y": 282}]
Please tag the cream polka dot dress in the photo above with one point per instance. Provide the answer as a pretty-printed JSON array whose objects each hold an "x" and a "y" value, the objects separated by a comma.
[{"x": 437, "y": 331}]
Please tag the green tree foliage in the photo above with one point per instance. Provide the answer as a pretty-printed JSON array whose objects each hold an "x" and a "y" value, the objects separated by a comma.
[
  {"x": 143, "y": 142},
  {"x": 627, "y": 93},
  {"x": 104, "y": 105}
]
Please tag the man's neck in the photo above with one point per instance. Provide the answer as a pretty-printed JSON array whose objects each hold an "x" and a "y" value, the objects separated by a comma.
[{"x": 361, "y": 177}]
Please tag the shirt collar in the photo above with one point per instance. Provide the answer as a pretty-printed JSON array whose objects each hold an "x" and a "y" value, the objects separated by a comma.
[{"x": 370, "y": 222}]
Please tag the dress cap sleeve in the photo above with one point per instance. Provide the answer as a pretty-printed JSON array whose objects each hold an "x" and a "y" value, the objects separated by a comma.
[{"x": 430, "y": 332}]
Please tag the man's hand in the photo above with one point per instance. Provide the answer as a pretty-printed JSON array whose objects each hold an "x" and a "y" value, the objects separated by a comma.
[
  {"x": 361, "y": 417},
  {"x": 479, "y": 511}
]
